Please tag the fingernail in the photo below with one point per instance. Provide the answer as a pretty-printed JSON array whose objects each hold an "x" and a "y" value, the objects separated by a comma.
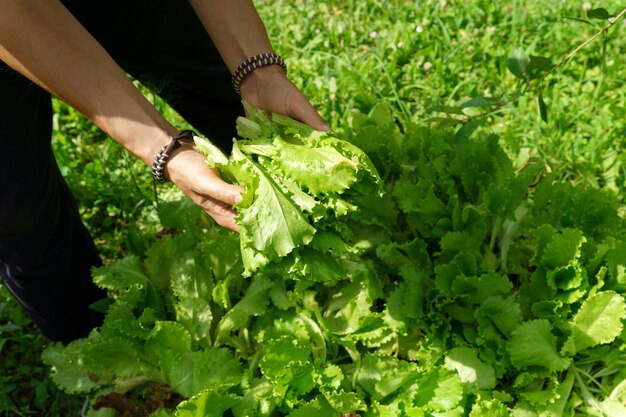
[
  {"x": 238, "y": 198},
  {"x": 326, "y": 127}
]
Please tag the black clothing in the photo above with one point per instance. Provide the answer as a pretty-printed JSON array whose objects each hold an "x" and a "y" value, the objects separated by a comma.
[{"x": 45, "y": 251}]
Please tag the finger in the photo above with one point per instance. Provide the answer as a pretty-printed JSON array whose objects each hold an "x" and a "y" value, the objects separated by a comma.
[
  {"x": 302, "y": 110},
  {"x": 212, "y": 186},
  {"x": 227, "y": 222},
  {"x": 188, "y": 170},
  {"x": 221, "y": 213}
]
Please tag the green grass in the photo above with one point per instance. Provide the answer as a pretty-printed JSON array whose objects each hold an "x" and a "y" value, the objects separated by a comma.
[
  {"x": 350, "y": 55},
  {"x": 25, "y": 387},
  {"x": 346, "y": 56}
]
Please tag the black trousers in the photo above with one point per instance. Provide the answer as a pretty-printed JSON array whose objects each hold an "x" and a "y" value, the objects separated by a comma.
[{"x": 46, "y": 253}]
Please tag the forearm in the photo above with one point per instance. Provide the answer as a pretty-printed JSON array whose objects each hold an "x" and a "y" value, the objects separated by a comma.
[
  {"x": 239, "y": 33},
  {"x": 44, "y": 42},
  {"x": 235, "y": 27}
]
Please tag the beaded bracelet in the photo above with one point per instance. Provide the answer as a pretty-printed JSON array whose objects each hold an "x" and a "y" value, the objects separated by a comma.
[
  {"x": 252, "y": 63},
  {"x": 163, "y": 155}
]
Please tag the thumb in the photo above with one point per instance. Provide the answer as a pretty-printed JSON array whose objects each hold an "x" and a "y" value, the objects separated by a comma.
[{"x": 303, "y": 111}]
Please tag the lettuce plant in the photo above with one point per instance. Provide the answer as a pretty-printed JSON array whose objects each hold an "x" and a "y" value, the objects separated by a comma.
[{"x": 467, "y": 288}]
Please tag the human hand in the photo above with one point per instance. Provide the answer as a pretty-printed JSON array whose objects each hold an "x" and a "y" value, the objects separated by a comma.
[
  {"x": 270, "y": 90},
  {"x": 188, "y": 170},
  {"x": 267, "y": 88}
]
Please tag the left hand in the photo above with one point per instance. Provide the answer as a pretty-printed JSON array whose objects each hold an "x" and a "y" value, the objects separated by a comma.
[
  {"x": 188, "y": 170},
  {"x": 270, "y": 90}
]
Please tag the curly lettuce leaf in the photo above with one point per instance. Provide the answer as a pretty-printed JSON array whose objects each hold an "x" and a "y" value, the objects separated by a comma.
[
  {"x": 67, "y": 367},
  {"x": 470, "y": 368},
  {"x": 271, "y": 224},
  {"x": 533, "y": 344},
  {"x": 207, "y": 403},
  {"x": 318, "y": 170},
  {"x": 191, "y": 372},
  {"x": 598, "y": 321}
]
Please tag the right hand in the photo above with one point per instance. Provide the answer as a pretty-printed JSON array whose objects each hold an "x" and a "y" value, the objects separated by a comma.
[{"x": 269, "y": 89}]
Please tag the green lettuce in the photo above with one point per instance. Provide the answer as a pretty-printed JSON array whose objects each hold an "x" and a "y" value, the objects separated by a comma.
[
  {"x": 471, "y": 287},
  {"x": 297, "y": 183}
]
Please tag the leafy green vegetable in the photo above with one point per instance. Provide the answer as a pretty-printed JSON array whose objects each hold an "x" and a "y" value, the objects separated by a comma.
[
  {"x": 598, "y": 321},
  {"x": 533, "y": 344},
  {"x": 469, "y": 288},
  {"x": 297, "y": 182},
  {"x": 471, "y": 370}
]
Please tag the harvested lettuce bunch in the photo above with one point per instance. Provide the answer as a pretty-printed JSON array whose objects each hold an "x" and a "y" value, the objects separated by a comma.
[{"x": 299, "y": 185}]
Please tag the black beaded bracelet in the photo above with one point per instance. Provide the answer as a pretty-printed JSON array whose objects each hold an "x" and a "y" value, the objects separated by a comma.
[
  {"x": 163, "y": 155},
  {"x": 252, "y": 63}
]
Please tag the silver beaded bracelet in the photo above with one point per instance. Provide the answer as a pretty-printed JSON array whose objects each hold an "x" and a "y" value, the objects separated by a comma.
[
  {"x": 158, "y": 166},
  {"x": 252, "y": 63}
]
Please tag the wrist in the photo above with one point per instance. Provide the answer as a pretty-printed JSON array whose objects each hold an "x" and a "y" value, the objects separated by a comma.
[
  {"x": 168, "y": 152},
  {"x": 264, "y": 63},
  {"x": 259, "y": 77}
]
